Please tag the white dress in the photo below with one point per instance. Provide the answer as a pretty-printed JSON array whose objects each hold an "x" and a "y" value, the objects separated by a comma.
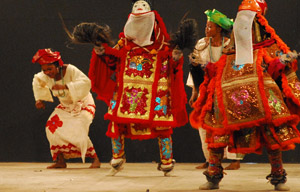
[
  {"x": 202, "y": 56},
  {"x": 68, "y": 126}
]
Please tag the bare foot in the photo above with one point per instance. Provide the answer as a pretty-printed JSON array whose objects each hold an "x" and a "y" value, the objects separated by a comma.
[
  {"x": 96, "y": 163},
  {"x": 202, "y": 166},
  {"x": 234, "y": 165},
  {"x": 57, "y": 165}
]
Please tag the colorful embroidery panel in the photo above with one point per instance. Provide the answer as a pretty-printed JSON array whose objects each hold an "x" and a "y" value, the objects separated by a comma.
[
  {"x": 134, "y": 101},
  {"x": 242, "y": 103},
  {"x": 275, "y": 100},
  {"x": 234, "y": 72},
  {"x": 162, "y": 105},
  {"x": 139, "y": 66},
  {"x": 294, "y": 84},
  {"x": 118, "y": 147},
  {"x": 166, "y": 151},
  {"x": 164, "y": 72}
]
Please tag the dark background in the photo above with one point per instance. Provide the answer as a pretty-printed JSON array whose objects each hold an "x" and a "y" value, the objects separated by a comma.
[{"x": 29, "y": 25}]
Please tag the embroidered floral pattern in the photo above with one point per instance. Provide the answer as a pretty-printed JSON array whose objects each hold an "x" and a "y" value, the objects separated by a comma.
[
  {"x": 274, "y": 101},
  {"x": 162, "y": 103},
  {"x": 112, "y": 104},
  {"x": 139, "y": 66},
  {"x": 54, "y": 123},
  {"x": 164, "y": 70},
  {"x": 297, "y": 85},
  {"x": 240, "y": 100},
  {"x": 116, "y": 145},
  {"x": 113, "y": 101},
  {"x": 162, "y": 107},
  {"x": 134, "y": 100},
  {"x": 166, "y": 145}
]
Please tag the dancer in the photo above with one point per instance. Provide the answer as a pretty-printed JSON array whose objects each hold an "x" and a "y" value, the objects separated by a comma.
[
  {"x": 241, "y": 105},
  {"x": 141, "y": 80},
  {"x": 209, "y": 50},
  {"x": 68, "y": 126}
]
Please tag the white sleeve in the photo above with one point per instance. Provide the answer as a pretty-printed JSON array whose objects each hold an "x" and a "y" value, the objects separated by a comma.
[
  {"x": 200, "y": 52},
  {"x": 80, "y": 85},
  {"x": 189, "y": 81},
  {"x": 40, "y": 89}
]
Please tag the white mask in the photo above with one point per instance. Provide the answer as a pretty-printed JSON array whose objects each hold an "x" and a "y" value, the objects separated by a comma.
[
  {"x": 140, "y": 7},
  {"x": 139, "y": 28}
]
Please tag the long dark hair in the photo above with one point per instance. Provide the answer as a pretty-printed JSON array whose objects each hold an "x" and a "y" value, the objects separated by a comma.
[{"x": 89, "y": 33}]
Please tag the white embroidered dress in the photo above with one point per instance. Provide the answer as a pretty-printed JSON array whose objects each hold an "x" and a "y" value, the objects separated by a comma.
[{"x": 68, "y": 126}]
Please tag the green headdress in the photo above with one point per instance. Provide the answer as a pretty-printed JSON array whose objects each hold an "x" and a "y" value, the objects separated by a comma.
[{"x": 219, "y": 18}]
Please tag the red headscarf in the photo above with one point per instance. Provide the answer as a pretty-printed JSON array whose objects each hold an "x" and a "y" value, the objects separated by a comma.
[{"x": 46, "y": 56}]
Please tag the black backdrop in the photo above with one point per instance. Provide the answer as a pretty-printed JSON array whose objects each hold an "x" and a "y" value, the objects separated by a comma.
[{"x": 29, "y": 25}]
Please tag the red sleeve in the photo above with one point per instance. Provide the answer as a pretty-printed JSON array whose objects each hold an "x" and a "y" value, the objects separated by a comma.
[
  {"x": 179, "y": 98},
  {"x": 275, "y": 68},
  {"x": 100, "y": 74}
]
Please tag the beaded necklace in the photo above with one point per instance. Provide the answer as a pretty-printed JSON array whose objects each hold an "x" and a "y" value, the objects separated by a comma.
[
  {"x": 210, "y": 50},
  {"x": 63, "y": 83}
]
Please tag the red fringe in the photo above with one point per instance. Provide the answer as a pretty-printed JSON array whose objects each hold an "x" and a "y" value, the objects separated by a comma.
[
  {"x": 284, "y": 144},
  {"x": 178, "y": 95},
  {"x": 259, "y": 61},
  {"x": 197, "y": 105},
  {"x": 294, "y": 65},
  {"x": 287, "y": 90},
  {"x": 221, "y": 65},
  {"x": 205, "y": 101},
  {"x": 202, "y": 104},
  {"x": 263, "y": 21},
  {"x": 99, "y": 74}
]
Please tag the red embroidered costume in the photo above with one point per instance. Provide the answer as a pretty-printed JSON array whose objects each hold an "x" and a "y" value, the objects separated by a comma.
[
  {"x": 246, "y": 106},
  {"x": 142, "y": 85}
]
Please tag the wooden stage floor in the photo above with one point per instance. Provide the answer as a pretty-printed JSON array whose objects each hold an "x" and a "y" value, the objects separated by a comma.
[{"x": 135, "y": 177}]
